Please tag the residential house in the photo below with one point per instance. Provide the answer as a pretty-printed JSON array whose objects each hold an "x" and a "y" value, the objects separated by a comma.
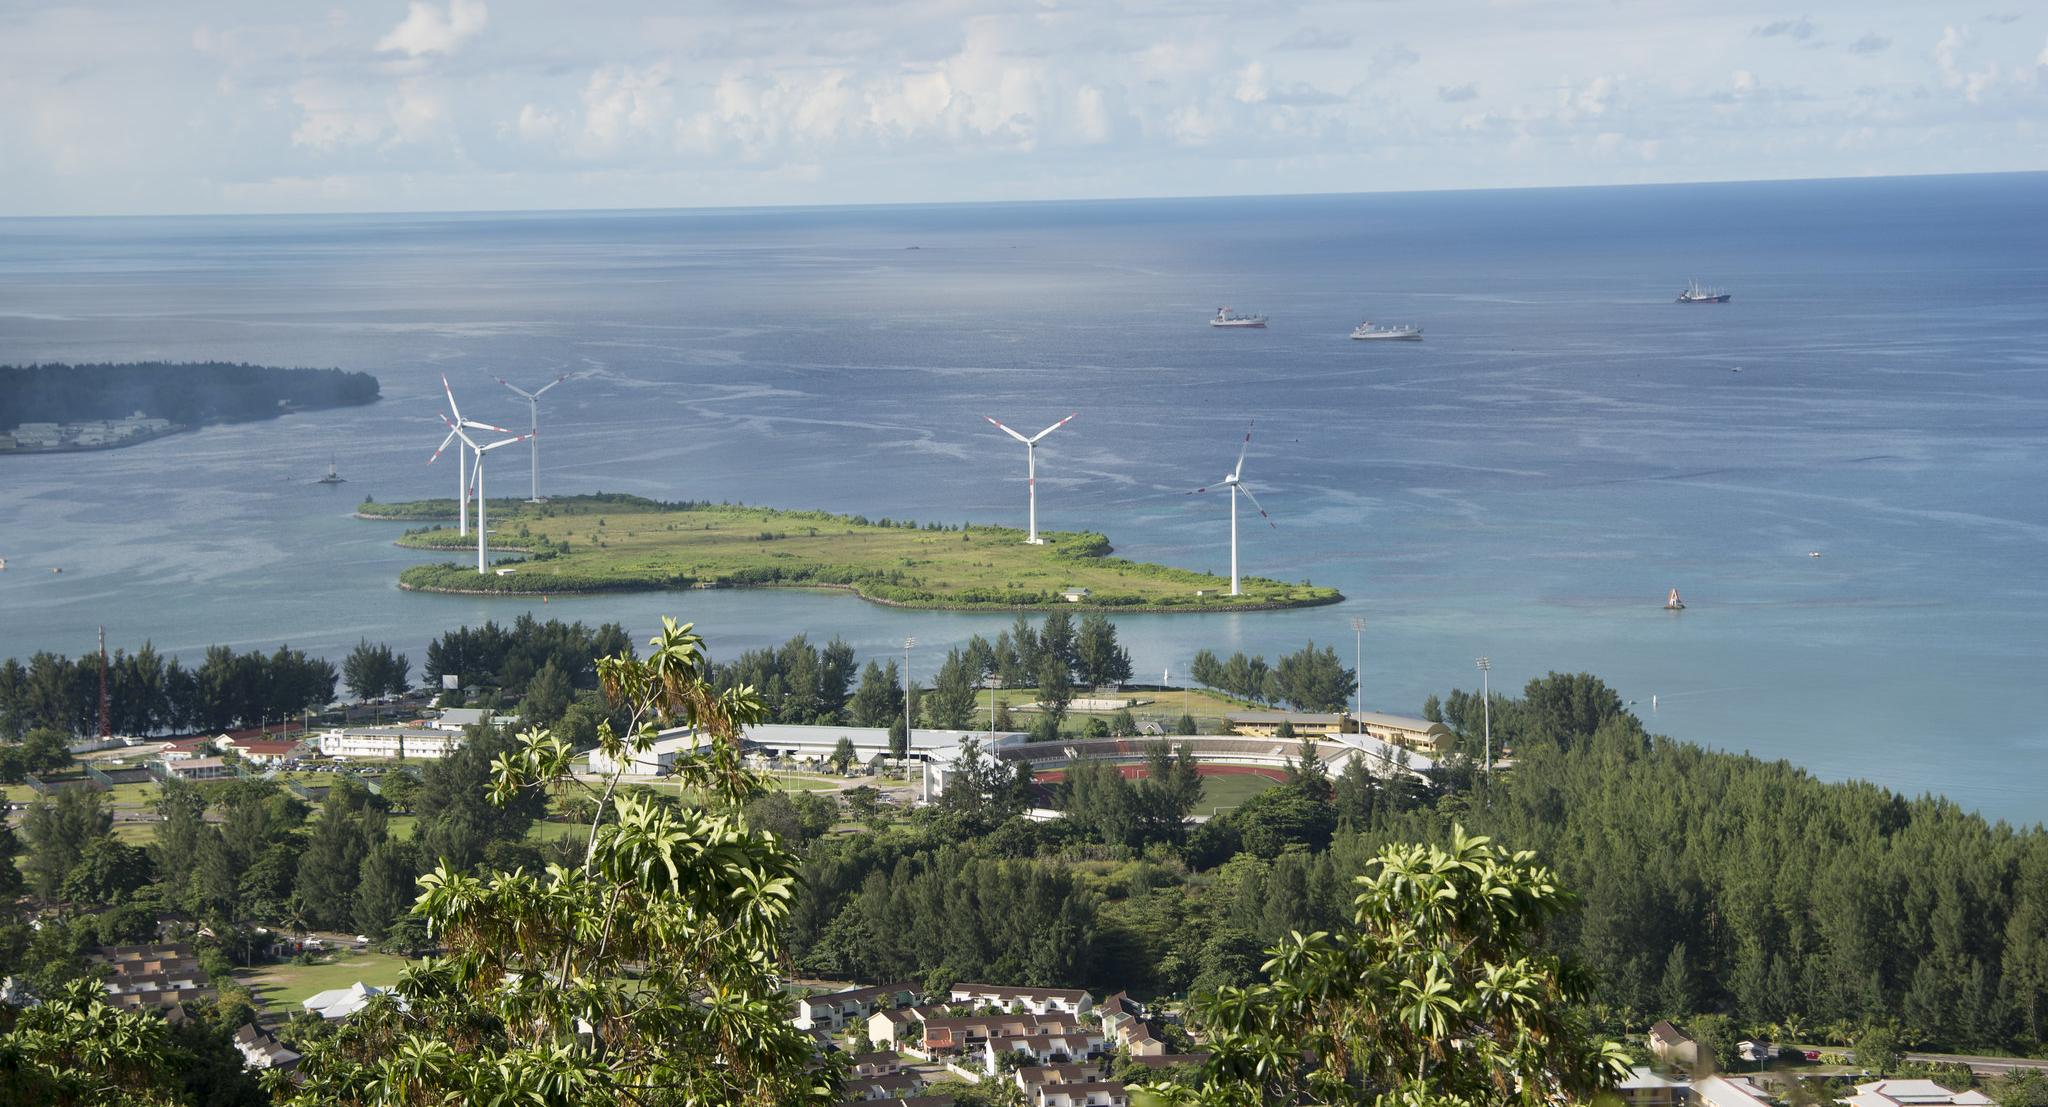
[
  {"x": 895, "y": 1027},
  {"x": 1043, "y": 1049},
  {"x": 1913, "y": 1093},
  {"x": 1038, "y": 1001},
  {"x": 853, "y": 1005},
  {"x": 143, "y": 977},
  {"x": 1030, "y": 1078},
  {"x": 958, "y": 1035},
  {"x": 879, "y": 1063},
  {"x": 1645, "y": 1087},
  {"x": 1672, "y": 1046},
  {"x": 1102, "y": 1093},
  {"x": 1729, "y": 1091},
  {"x": 896, "y": 1085},
  {"x": 261, "y": 1050}
]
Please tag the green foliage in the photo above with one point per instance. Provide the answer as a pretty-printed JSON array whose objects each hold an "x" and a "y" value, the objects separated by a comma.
[
  {"x": 57, "y": 831},
  {"x": 798, "y": 682},
  {"x": 1440, "y": 992},
  {"x": 372, "y": 671},
  {"x": 509, "y": 656},
  {"x": 645, "y": 975},
  {"x": 75, "y": 1050},
  {"x": 1878, "y": 1052},
  {"x": 185, "y": 393}
]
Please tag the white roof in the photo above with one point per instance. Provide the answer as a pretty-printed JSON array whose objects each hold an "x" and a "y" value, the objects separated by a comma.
[
  {"x": 340, "y": 1003},
  {"x": 1643, "y": 1076},
  {"x": 1730, "y": 1091},
  {"x": 922, "y": 740},
  {"x": 1890, "y": 1093}
]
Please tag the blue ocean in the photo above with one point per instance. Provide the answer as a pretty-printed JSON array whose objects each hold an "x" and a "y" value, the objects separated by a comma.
[{"x": 1566, "y": 446}]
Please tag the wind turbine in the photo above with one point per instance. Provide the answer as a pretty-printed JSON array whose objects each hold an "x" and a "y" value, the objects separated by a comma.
[
  {"x": 533, "y": 432},
  {"x": 1031, "y": 468},
  {"x": 455, "y": 425},
  {"x": 482, "y": 532},
  {"x": 1235, "y": 484}
]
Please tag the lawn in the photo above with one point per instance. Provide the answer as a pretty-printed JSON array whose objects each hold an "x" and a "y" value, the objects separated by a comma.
[
  {"x": 615, "y": 543},
  {"x": 281, "y": 987},
  {"x": 1221, "y": 793},
  {"x": 1208, "y": 708}
]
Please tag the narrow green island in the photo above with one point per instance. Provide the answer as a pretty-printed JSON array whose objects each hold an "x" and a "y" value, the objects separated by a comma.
[
  {"x": 55, "y": 408},
  {"x": 608, "y": 542}
]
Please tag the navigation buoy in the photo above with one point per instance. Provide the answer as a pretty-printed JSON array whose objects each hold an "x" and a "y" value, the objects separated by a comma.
[{"x": 1673, "y": 603}]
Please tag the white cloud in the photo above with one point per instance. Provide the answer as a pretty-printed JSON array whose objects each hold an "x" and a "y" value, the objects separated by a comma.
[
  {"x": 1971, "y": 82},
  {"x": 621, "y": 101},
  {"x": 332, "y": 117},
  {"x": 427, "y": 29},
  {"x": 1315, "y": 38},
  {"x": 2043, "y": 58},
  {"x": 1457, "y": 94}
]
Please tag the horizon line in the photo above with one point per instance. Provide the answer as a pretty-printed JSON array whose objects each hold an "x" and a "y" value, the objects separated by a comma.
[{"x": 884, "y": 204}]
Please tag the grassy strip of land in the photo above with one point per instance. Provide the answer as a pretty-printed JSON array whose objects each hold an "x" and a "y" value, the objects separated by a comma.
[
  {"x": 283, "y": 987},
  {"x": 625, "y": 543}
]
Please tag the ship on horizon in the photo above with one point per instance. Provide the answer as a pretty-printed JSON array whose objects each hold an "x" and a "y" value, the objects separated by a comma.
[
  {"x": 1369, "y": 332},
  {"x": 1696, "y": 293},
  {"x": 1225, "y": 317}
]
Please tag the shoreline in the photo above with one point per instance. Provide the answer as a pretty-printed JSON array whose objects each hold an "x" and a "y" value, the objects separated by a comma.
[{"x": 1134, "y": 609}]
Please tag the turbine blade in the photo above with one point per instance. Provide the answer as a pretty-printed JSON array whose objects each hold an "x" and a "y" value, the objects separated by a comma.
[
  {"x": 502, "y": 442},
  {"x": 1255, "y": 503},
  {"x": 1197, "y": 491},
  {"x": 474, "y": 425},
  {"x": 551, "y": 384},
  {"x": 1050, "y": 429},
  {"x": 450, "y": 390},
  {"x": 1008, "y": 431},
  {"x": 439, "y": 450},
  {"x": 1241, "y": 449},
  {"x": 515, "y": 388},
  {"x": 456, "y": 430}
]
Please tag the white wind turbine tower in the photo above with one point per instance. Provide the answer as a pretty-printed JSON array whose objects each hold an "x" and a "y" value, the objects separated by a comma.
[
  {"x": 533, "y": 427},
  {"x": 455, "y": 425},
  {"x": 1235, "y": 484},
  {"x": 482, "y": 531},
  {"x": 1031, "y": 468}
]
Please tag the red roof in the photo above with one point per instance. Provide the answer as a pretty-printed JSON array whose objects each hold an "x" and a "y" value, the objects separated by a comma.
[{"x": 272, "y": 747}]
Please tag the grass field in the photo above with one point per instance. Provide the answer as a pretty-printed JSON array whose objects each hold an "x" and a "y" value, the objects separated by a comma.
[
  {"x": 612, "y": 543},
  {"x": 281, "y": 987},
  {"x": 1208, "y": 708},
  {"x": 1221, "y": 793}
]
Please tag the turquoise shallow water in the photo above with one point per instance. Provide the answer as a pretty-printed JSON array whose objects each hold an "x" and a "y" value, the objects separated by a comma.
[{"x": 1527, "y": 483}]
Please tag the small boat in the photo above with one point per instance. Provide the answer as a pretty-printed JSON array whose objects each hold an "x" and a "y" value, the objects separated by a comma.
[
  {"x": 1225, "y": 317},
  {"x": 1813, "y": 553},
  {"x": 1367, "y": 332},
  {"x": 332, "y": 477},
  {"x": 1673, "y": 603},
  {"x": 1695, "y": 293}
]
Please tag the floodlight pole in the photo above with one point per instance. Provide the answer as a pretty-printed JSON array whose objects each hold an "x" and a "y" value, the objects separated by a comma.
[
  {"x": 1486, "y": 701},
  {"x": 1358, "y": 670},
  {"x": 907, "y": 643}
]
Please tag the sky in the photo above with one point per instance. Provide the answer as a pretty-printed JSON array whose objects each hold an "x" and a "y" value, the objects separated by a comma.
[{"x": 219, "y": 106}]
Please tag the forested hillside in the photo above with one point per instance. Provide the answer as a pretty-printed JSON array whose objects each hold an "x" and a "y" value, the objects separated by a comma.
[
  {"x": 188, "y": 394},
  {"x": 1707, "y": 882}
]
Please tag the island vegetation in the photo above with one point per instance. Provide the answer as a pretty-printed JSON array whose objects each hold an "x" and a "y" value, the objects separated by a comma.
[
  {"x": 114, "y": 404},
  {"x": 609, "y": 542}
]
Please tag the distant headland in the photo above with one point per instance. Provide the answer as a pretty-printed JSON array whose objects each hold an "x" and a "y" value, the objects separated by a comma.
[
  {"x": 52, "y": 408},
  {"x": 608, "y": 542}
]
